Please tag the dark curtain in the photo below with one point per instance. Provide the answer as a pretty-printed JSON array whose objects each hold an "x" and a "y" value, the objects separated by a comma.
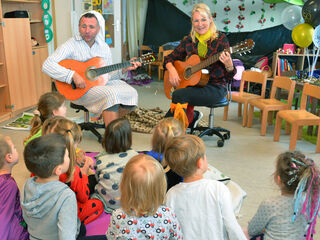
[{"x": 164, "y": 23}]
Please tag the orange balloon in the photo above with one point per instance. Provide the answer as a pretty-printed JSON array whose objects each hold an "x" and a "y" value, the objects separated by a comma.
[{"x": 302, "y": 35}]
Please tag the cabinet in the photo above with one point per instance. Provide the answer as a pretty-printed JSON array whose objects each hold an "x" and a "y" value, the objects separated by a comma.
[
  {"x": 22, "y": 81},
  {"x": 301, "y": 58}
]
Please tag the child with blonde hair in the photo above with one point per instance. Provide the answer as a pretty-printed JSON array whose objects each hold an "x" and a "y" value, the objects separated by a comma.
[
  {"x": 76, "y": 178},
  {"x": 117, "y": 141},
  {"x": 12, "y": 224},
  {"x": 203, "y": 206},
  {"x": 50, "y": 104},
  {"x": 293, "y": 214},
  {"x": 166, "y": 129},
  {"x": 142, "y": 214}
]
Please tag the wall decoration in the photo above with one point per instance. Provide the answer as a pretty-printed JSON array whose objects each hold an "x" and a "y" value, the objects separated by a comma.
[
  {"x": 47, "y": 20},
  {"x": 240, "y": 15}
]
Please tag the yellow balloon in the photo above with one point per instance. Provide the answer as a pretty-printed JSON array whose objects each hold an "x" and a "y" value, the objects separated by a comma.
[{"x": 302, "y": 35}]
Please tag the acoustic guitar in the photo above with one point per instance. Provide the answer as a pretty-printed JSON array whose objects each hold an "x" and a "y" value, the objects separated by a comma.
[
  {"x": 190, "y": 71},
  {"x": 91, "y": 72}
]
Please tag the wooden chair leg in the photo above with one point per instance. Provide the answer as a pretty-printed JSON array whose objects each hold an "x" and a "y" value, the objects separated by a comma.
[
  {"x": 318, "y": 141},
  {"x": 239, "y": 109},
  {"x": 277, "y": 129},
  {"x": 293, "y": 137},
  {"x": 250, "y": 116},
  {"x": 245, "y": 114},
  {"x": 264, "y": 119},
  {"x": 150, "y": 70},
  {"x": 159, "y": 73},
  {"x": 300, "y": 132},
  {"x": 225, "y": 113},
  {"x": 270, "y": 118},
  {"x": 287, "y": 128}
]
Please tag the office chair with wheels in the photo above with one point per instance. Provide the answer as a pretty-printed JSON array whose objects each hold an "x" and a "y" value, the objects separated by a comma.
[
  {"x": 87, "y": 125},
  {"x": 211, "y": 130}
]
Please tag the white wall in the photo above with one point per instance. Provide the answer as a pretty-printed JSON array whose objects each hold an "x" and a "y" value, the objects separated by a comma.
[{"x": 63, "y": 20}]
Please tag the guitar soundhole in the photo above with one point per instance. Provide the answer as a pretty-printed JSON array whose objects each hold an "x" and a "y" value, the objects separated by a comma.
[
  {"x": 188, "y": 72},
  {"x": 91, "y": 74}
]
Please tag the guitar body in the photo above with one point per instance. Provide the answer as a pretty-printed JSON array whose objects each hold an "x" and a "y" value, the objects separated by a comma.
[
  {"x": 187, "y": 79},
  {"x": 81, "y": 68}
]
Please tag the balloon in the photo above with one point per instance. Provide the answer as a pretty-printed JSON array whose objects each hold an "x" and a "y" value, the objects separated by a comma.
[
  {"x": 295, "y": 2},
  {"x": 310, "y": 12},
  {"x": 316, "y": 37},
  {"x": 291, "y": 16},
  {"x": 302, "y": 35}
]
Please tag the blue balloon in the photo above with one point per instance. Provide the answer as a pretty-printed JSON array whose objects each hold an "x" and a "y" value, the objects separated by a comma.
[{"x": 316, "y": 37}]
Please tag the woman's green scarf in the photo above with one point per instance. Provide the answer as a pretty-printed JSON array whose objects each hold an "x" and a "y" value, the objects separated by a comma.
[{"x": 202, "y": 45}]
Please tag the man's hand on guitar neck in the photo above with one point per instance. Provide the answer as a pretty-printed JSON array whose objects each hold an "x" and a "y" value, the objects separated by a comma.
[
  {"x": 135, "y": 65},
  {"x": 174, "y": 78},
  {"x": 78, "y": 80}
]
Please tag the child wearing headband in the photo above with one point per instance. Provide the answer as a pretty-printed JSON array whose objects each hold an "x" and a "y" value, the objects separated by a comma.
[{"x": 293, "y": 214}]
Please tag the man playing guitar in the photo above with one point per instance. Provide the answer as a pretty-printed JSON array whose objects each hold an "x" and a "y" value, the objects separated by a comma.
[{"x": 112, "y": 99}]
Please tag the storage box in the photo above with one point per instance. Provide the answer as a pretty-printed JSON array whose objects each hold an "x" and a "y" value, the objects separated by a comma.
[
  {"x": 289, "y": 48},
  {"x": 17, "y": 14}
]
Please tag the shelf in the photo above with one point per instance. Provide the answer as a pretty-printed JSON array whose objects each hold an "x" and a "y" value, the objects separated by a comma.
[
  {"x": 35, "y": 21},
  {"x": 21, "y": 1},
  {"x": 40, "y": 46},
  {"x": 1, "y": 63},
  {"x": 3, "y": 85}
]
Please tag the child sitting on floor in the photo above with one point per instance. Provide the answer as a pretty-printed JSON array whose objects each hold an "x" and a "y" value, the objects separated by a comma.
[
  {"x": 49, "y": 206},
  {"x": 76, "y": 178},
  {"x": 12, "y": 225},
  {"x": 50, "y": 104},
  {"x": 166, "y": 129},
  {"x": 109, "y": 165},
  {"x": 203, "y": 206},
  {"x": 293, "y": 214},
  {"x": 142, "y": 214}
]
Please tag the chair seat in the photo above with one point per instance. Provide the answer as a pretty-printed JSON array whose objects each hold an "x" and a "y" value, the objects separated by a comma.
[
  {"x": 222, "y": 103},
  {"x": 243, "y": 96},
  {"x": 269, "y": 103},
  {"x": 299, "y": 116},
  {"x": 78, "y": 107}
]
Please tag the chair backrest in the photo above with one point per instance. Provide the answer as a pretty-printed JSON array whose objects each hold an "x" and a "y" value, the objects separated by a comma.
[
  {"x": 164, "y": 53},
  {"x": 144, "y": 49},
  {"x": 254, "y": 77},
  {"x": 283, "y": 83},
  {"x": 311, "y": 91}
]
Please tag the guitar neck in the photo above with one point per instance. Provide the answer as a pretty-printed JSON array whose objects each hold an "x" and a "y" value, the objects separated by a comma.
[
  {"x": 205, "y": 63},
  {"x": 111, "y": 68}
]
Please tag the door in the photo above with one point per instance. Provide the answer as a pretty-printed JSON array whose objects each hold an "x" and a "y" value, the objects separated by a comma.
[
  {"x": 111, "y": 11},
  {"x": 18, "y": 55}
]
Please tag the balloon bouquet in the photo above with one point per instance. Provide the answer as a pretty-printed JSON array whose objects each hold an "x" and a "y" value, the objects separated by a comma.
[{"x": 304, "y": 22}]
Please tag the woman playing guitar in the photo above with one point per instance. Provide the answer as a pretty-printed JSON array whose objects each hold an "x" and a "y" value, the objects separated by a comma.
[{"x": 204, "y": 40}]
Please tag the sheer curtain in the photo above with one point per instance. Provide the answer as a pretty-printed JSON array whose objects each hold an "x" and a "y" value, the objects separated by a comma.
[{"x": 136, "y": 18}]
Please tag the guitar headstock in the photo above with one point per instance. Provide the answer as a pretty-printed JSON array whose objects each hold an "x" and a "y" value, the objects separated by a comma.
[
  {"x": 243, "y": 47},
  {"x": 147, "y": 58}
]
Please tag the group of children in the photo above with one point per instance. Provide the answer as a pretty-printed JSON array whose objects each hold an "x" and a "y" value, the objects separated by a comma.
[{"x": 157, "y": 194}]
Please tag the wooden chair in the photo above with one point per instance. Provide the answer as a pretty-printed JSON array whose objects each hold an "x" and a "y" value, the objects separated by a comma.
[
  {"x": 157, "y": 63},
  {"x": 269, "y": 106},
  {"x": 143, "y": 50},
  {"x": 299, "y": 118},
  {"x": 243, "y": 97},
  {"x": 160, "y": 69}
]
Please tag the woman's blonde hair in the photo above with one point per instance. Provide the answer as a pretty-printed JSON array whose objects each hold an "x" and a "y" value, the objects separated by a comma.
[
  {"x": 143, "y": 186},
  {"x": 204, "y": 11},
  {"x": 48, "y": 102},
  {"x": 71, "y": 132},
  {"x": 166, "y": 129}
]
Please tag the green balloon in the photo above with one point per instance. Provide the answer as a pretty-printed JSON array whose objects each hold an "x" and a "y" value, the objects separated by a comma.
[
  {"x": 273, "y": 1},
  {"x": 45, "y": 5},
  {"x": 295, "y": 2},
  {"x": 47, "y": 19},
  {"x": 48, "y": 34}
]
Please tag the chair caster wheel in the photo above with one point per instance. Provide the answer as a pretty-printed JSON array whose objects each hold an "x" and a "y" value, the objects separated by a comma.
[
  {"x": 226, "y": 136},
  {"x": 220, "y": 143}
]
